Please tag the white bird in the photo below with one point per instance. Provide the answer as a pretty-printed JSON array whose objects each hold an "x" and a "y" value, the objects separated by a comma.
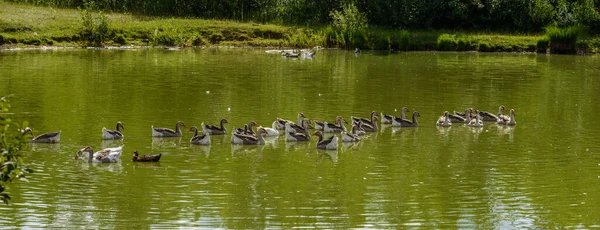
[{"x": 108, "y": 155}]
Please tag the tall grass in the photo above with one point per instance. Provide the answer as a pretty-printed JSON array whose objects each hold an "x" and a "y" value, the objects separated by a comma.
[{"x": 563, "y": 40}]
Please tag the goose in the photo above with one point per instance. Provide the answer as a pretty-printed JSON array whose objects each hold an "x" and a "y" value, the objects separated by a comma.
[
  {"x": 371, "y": 126},
  {"x": 247, "y": 128},
  {"x": 294, "y": 128},
  {"x": 166, "y": 132},
  {"x": 444, "y": 120},
  {"x": 388, "y": 119},
  {"x": 281, "y": 122},
  {"x": 476, "y": 122},
  {"x": 406, "y": 123},
  {"x": 512, "y": 121},
  {"x": 295, "y": 136},
  {"x": 199, "y": 140},
  {"x": 330, "y": 143},
  {"x": 214, "y": 130},
  {"x": 502, "y": 119},
  {"x": 249, "y": 140},
  {"x": 108, "y": 134},
  {"x": 365, "y": 120},
  {"x": 146, "y": 158},
  {"x": 272, "y": 131},
  {"x": 352, "y": 136},
  {"x": 338, "y": 127},
  {"x": 359, "y": 131},
  {"x": 108, "y": 155},
  {"x": 52, "y": 137},
  {"x": 487, "y": 116}
]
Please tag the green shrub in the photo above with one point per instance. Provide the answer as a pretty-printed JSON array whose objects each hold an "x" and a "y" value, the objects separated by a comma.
[
  {"x": 120, "y": 39},
  {"x": 463, "y": 43},
  {"x": 564, "y": 40},
  {"x": 446, "y": 42},
  {"x": 1, "y": 39},
  {"x": 216, "y": 38},
  {"x": 485, "y": 47},
  {"x": 401, "y": 41},
  {"x": 542, "y": 44},
  {"x": 379, "y": 41},
  {"x": 95, "y": 25}
]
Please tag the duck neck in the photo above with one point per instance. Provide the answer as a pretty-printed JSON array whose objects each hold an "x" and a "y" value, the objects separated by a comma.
[
  {"x": 446, "y": 119},
  {"x": 274, "y": 125},
  {"x": 195, "y": 132},
  {"x": 261, "y": 139},
  {"x": 177, "y": 128},
  {"x": 119, "y": 127},
  {"x": 222, "y": 127},
  {"x": 300, "y": 119},
  {"x": 402, "y": 116},
  {"x": 415, "y": 118},
  {"x": 320, "y": 139},
  {"x": 90, "y": 156},
  {"x": 500, "y": 111}
]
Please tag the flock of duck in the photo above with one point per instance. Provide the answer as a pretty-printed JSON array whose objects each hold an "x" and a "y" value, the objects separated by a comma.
[{"x": 293, "y": 131}]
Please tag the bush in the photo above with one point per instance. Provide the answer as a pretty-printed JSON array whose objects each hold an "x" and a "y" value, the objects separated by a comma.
[
  {"x": 401, "y": 41},
  {"x": 463, "y": 43},
  {"x": 563, "y": 40},
  {"x": 216, "y": 38},
  {"x": 542, "y": 44},
  {"x": 446, "y": 42},
  {"x": 379, "y": 41},
  {"x": 485, "y": 47},
  {"x": 120, "y": 39},
  {"x": 95, "y": 25}
]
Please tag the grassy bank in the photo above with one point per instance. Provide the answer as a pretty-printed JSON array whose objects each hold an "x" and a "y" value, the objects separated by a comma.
[{"x": 26, "y": 25}]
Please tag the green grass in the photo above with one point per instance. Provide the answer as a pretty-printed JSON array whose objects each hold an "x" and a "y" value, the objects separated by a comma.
[
  {"x": 26, "y": 25},
  {"x": 563, "y": 40}
]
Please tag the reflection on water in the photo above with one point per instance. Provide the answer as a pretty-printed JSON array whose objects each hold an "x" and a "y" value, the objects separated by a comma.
[{"x": 542, "y": 173}]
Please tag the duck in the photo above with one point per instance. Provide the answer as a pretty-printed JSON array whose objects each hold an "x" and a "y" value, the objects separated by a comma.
[
  {"x": 145, "y": 158},
  {"x": 330, "y": 143},
  {"x": 512, "y": 121},
  {"x": 444, "y": 120},
  {"x": 247, "y": 128},
  {"x": 357, "y": 51},
  {"x": 476, "y": 122},
  {"x": 388, "y": 119},
  {"x": 108, "y": 155},
  {"x": 487, "y": 116},
  {"x": 51, "y": 137},
  {"x": 458, "y": 117},
  {"x": 359, "y": 131},
  {"x": 371, "y": 126},
  {"x": 241, "y": 139},
  {"x": 199, "y": 140},
  {"x": 351, "y": 136},
  {"x": 338, "y": 127},
  {"x": 214, "y": 130},
  {"x": 281, "y": 122},
  {"x": 108, "y": 134},
  {"x": 292, "y": 136},
  {"x": 308, "y": 54},
  {"x": 502, "y": 119},
  {"x": 406, "y": 123},
  {"x": 365, "y": 120},
  {"x": 166, "y": 132},
  {"x": 272, "y": 131}
]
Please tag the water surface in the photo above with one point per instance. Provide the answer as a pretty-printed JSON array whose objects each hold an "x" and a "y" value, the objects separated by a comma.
[{"x": 543, "y": 173}]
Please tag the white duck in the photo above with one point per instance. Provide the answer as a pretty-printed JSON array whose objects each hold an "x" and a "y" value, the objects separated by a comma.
[
  {"x": 476, "y": 122},
  {"x": 108, "y": 134},
  {"x": 444, "y": 120},
  {"x": 199, "y": 139},
  {"x": 272, "y": 131},
  {"x": 166, "y": 132},
  {"x": 512, "y": 121},
  {"x": 108, "y": 155}
]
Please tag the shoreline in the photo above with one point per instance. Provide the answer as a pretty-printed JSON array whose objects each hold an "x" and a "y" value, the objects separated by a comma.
[{"x": 28, "y": 27}]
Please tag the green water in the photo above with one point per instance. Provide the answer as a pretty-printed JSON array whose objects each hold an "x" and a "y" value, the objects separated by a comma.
[{"x": 542, "y": 173}]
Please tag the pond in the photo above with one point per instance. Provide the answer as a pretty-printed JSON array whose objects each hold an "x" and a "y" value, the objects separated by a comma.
[{"x": 542, "y": 173}]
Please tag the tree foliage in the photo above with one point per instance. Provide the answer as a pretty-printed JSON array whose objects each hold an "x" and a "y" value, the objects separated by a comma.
[
  {"x": 489, "y": 15},
  {"x": 11, "y": 142}
]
